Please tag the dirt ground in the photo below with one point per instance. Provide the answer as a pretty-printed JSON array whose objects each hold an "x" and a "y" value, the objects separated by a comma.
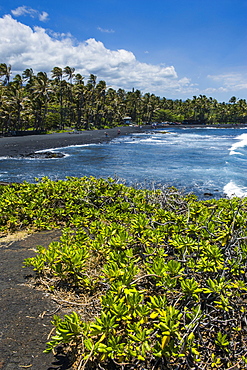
[{"x": 25, "y": 313}]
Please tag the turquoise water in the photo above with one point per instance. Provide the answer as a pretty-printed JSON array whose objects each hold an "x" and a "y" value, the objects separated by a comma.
[{"x": 202, "y": 160}]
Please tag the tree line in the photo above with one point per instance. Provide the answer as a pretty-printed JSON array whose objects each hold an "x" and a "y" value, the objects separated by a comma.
[{"x": 65, "y": 100}]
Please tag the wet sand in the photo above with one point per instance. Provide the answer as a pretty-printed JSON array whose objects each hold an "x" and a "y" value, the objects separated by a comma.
[{"x": 15, "y": 146}]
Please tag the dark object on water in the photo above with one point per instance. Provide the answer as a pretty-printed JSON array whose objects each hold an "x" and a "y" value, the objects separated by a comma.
[
  {"x": 44, "y": 155},
  {"x": 208, "y": 194}
]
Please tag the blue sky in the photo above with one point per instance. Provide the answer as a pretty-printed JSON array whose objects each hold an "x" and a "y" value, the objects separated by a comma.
[{"x": 176, "y": 48}]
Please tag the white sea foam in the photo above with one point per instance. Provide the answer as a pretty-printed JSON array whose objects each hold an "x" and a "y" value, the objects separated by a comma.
[
  {"x": 233, "y": 152},
  {"x": 233, "y": 190},
  {"x": 52, "y": 150},
  {"x": 45, "y": 150},
  {"x": 77, "y": 146},
  {"x": 149, "y": 140},
  {"x": 242, "y": 142}
]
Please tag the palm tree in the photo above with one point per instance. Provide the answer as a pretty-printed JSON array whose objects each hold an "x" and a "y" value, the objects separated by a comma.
[
  {"x": 28, "y": 75},
  {"x": 134, "y": 100},
  {"x": 79, "y": 79},
  {"x": 78, "y": 95},
  {"x": 90, "y": 100},
  {"x": 5, "y": 71},
  {"x": 69, "y": 72},
  {"x": 12, "y": 105},
  {"x": 151, "y": 104},
  {"x": 242, "y": 107},
  {"x": 57, "y": 74},
  {"x": 16, "y": 95},
  {"x": 41, "y": 90},
  {"x": 91, "y": 83},
  {"x": 233, "y": 100},
  {"x": 100, "y": 93},
  {"x": 6, "y": 109}
]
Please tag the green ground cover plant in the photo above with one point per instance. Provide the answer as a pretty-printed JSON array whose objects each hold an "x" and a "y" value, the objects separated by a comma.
[{"x": 168, "y": 272}]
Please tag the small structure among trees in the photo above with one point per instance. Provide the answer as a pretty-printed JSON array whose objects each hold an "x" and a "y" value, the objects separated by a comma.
[{"x": 127, "y": 120}]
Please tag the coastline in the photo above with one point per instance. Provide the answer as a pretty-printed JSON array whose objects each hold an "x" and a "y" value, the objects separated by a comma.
[
  {"x": 14, "y": 146},
  {"x": 237, "y": 125}
]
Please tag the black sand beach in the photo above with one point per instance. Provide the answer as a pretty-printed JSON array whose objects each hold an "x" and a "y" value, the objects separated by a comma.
[
  {"x": 22, "y": 145},
  {"x": 26, "y": 313}
]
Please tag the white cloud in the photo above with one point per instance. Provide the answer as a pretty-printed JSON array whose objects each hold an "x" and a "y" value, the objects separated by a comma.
[
  {"x": 230, "y": 81},
  {"x": 104, "y": 30},
  {"x": 58, "y": 35},
  {"x": 25, "y": 10},
  {"x": 43, "y": 16},
  {"x": 24, "y": 47}
]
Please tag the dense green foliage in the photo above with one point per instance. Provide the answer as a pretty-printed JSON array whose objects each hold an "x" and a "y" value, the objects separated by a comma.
[
  {"x": 37, "y": 102},
  {"x": 169, "y": 272}
]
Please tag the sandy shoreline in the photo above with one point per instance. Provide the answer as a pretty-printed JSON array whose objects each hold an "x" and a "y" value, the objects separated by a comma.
[{"x": 15, "y": 146}]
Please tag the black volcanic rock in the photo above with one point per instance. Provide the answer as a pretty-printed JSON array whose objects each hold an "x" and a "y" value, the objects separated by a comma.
[{"x": 42, "y": 155}]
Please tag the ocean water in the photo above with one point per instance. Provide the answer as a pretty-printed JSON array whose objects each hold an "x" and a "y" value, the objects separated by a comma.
[{"x": 210, "y": 162}]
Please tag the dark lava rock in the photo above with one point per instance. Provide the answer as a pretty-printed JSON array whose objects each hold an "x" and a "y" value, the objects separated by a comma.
[{"x": 42, "y": 155}]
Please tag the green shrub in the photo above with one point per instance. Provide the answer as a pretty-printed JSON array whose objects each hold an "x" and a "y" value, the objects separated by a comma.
[{"x": 170, "y": 271}]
